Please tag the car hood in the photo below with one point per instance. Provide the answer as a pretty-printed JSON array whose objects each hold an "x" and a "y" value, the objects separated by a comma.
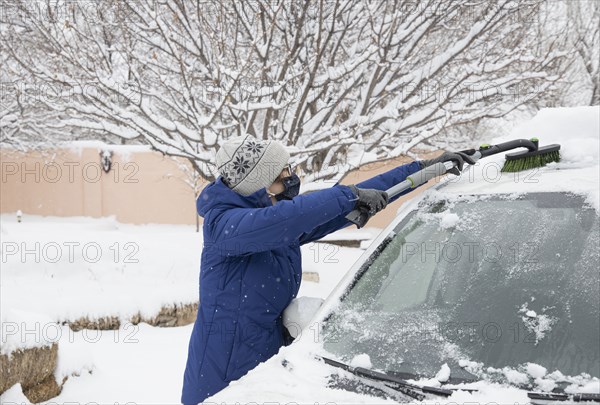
[{"x": 295, "y": 375}]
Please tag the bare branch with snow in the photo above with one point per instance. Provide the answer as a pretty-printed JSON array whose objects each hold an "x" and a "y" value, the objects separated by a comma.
[{"x": 341, "y": 82}]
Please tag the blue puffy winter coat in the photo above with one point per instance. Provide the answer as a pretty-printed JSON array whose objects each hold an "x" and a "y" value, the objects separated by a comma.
[{"x": 250, "y": 271}]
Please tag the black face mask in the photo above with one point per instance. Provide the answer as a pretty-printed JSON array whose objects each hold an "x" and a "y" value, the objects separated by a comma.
[{"x": 291, "y": 189}]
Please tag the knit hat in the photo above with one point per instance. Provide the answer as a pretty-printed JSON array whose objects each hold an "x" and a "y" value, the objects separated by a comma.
[{"x": 248, "y": 164}]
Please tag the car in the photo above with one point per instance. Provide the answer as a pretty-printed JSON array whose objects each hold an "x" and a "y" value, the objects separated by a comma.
[{"x": 485, "y": 288}]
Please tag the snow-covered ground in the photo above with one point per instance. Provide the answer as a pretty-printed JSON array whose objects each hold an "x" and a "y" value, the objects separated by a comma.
[
  {"x": 57, "y": 269},
  {"x": 141, "y": 364},
  {"x": 81, "y": 266}
]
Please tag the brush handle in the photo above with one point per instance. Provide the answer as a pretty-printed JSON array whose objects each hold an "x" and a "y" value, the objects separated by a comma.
[
  {"x": 488, "y": 150},
  {"x": 360, "y": 217}
]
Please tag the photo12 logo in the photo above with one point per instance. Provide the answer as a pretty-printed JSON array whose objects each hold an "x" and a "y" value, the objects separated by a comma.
[
  {"x": 44, "y": 333},
  {"x": 68, "y": 251},
  {"x": 70, "y": 172}
]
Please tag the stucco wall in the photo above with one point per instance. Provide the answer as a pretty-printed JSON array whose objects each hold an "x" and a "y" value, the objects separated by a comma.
[{"x": 141, "y": 187}]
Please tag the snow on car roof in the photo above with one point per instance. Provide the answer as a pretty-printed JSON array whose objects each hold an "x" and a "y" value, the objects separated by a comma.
[{"x": 577, "y": 130}]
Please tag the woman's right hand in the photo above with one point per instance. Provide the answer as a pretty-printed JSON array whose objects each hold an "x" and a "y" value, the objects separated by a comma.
[{"x": 370, "y": 200}]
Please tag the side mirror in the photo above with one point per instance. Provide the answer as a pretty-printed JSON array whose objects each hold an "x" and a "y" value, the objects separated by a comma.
[{"x": 299, "y": 313}]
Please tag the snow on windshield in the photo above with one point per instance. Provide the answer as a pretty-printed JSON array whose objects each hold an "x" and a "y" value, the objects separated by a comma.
[{"x": 500, "y": 287}]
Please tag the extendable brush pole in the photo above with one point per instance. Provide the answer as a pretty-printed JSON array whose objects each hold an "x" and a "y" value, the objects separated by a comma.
[
  {"x": 533, "y": 157},
  {"x": 360, "y": 217}
]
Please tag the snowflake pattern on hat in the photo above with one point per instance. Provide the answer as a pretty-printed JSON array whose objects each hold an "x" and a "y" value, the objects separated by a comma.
[
  {"x": 255, "y": 147},
  {"x": 244, "y": 159},
  {"x": 240, "y": 165}
]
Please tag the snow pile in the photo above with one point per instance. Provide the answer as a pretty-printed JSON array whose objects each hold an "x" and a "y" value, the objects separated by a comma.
[
  {"x": 538, "y": 324},
  {"x": 449, "y": 220},
  {"x": 583, "y": 383},
  {"x": 515, "y": 377},
  {"x": 444, "y": 374},
  {"x": 535, "y": 370},
  {"x": 299, "y": 379},
  {"x": 592, "y": 385},
  {"x": 75, "y": 356},
  {"x": 576, "y": 129},
  {"x": 538, "y": 373},
  {"x": 299, "y": 313},
  {"x": 141, "y": 364},
  {"x": 441, "y": 377},
  {"x": 532, "y": 375},
  {"x": 361, "y": 360},
  {"x": 445, "y": 220}
]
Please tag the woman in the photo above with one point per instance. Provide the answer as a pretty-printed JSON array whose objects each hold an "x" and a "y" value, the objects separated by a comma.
[{"x": 254, "y": 225}]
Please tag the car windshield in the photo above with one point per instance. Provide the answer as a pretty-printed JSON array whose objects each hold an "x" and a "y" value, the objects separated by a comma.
[{"x": 495, "y": 281}]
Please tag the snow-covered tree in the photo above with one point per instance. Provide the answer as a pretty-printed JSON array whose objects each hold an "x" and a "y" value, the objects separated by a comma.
[
  {"x": 584, "y": 23},
  {"x": 342, "y": 82},
  {"x": 20, "y": 126}
]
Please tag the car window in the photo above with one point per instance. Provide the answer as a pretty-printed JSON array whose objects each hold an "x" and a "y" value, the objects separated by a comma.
[{"x": 499, "y": 281}]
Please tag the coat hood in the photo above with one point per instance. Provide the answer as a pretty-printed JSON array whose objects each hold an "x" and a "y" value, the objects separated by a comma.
[{"x": 217, "y": 193}]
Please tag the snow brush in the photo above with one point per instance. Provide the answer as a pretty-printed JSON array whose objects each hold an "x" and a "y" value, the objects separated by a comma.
[{"x": 533, "y": 157}]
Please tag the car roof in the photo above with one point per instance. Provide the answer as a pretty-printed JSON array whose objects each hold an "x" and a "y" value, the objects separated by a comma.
[
  {"x": 485, "y": 177},
  {"x": 576, "y": 130}
]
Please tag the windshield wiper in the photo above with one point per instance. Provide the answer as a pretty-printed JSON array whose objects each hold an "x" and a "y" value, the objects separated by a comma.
[
  {"x": 414, "y": 391},
  {"x": 564, "y": 397}
]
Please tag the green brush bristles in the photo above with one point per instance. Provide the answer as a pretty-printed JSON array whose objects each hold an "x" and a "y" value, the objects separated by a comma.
[{"x": 530, "y": 162}]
